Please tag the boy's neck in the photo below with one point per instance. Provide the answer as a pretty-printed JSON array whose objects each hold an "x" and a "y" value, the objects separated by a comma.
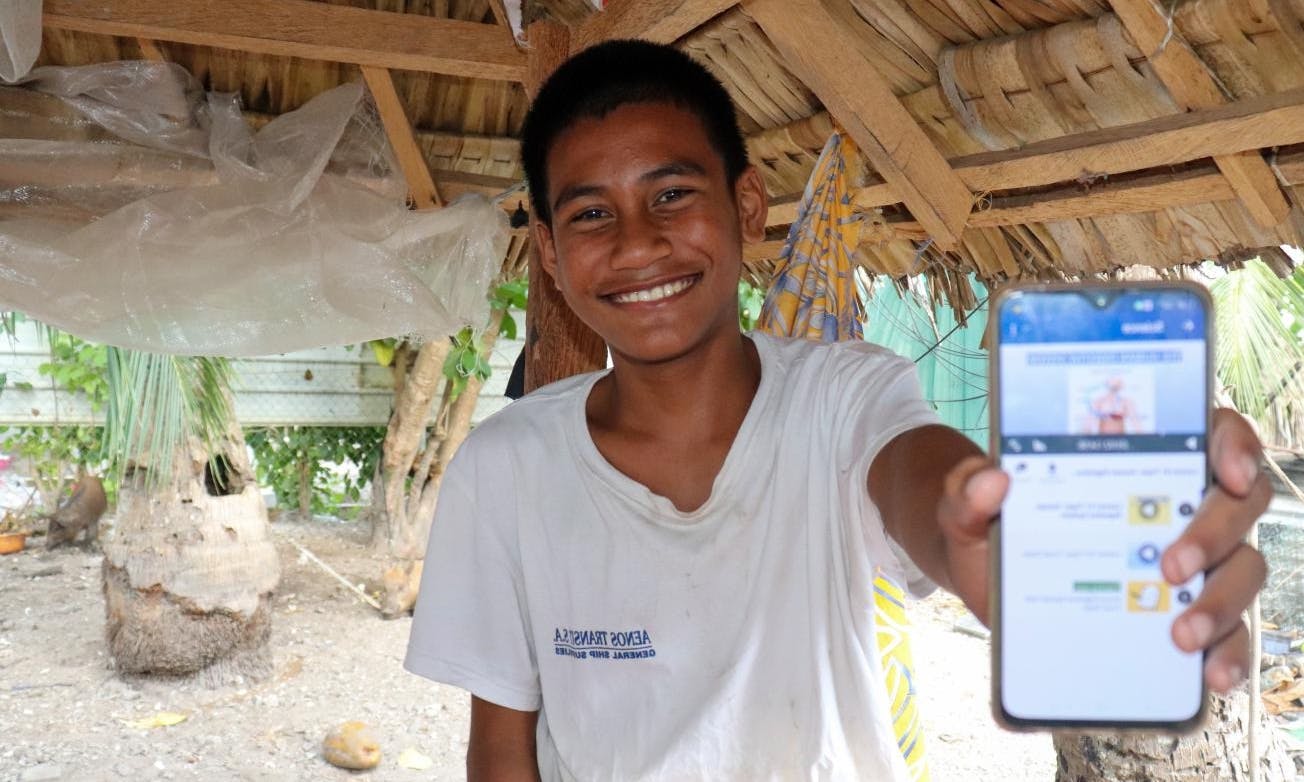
[{"x": 697, "y": 395}]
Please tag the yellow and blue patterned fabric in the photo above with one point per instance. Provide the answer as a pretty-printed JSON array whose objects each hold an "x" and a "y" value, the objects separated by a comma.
[{"x": 814, "y": 295}]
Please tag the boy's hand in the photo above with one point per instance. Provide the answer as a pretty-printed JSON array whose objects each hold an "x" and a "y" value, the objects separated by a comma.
[{"x": 1214, "y": 542}]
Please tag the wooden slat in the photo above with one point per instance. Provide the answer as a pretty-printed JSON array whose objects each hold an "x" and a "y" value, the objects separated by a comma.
[
  {"x": 663, "y": 21},
  {"x": 421, "y": 187},
  {"x": 827, "y": 58},
  {"x": 1193, "y": 86},
  {"x": 1251, "y": 124},
  {"x": 762, "y": 251},
  {"x": 150, "y": 51},
  {"x": 557, "y": 343},
  {"x": 1146, "y": 193},
  {"x": 301, "y": 28}
]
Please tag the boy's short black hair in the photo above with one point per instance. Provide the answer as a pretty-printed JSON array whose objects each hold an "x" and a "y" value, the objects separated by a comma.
[{"x": 605, "y": 77}]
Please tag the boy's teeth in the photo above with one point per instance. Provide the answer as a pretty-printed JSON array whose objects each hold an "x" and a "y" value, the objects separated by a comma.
[{"x": 654, "y": 294}]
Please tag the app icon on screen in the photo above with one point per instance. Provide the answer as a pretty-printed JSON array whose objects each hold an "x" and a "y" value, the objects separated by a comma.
[
  {"x": 1143, "y": 556},
  {"x": 1148, "y": 509},
  {"x": 1143, "y": 596}
]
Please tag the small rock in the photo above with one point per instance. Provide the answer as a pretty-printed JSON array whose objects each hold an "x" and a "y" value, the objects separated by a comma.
[
  {"x": 1275, "y": 676},
  {"x": 45, "y": 772},
  {"x": 351, "y": 745}
]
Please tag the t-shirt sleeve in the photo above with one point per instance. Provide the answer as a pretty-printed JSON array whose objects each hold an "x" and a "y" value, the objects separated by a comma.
[
  {"x": 888, "y": 403},
  {"x": 470, "y": 627}
]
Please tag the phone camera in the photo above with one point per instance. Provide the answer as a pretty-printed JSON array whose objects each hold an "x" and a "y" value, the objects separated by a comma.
[
  {"x": 1186, "y": 509},
  {"x": 1184, "y": 597}
]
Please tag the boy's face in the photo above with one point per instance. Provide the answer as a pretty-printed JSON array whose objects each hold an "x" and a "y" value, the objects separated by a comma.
[{"x": 646, "y": 236}]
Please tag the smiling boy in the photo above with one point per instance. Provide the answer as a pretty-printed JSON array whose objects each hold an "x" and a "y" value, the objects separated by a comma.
[{"x": 664, "y": 571}]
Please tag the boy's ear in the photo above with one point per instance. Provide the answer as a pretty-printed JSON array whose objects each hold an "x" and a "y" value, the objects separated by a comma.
[
  {"x": 547, "y": 252},
  {"x": 753, "y": 204}
]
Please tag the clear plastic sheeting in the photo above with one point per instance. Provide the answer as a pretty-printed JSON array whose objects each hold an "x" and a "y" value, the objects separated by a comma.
[
  {"x": 20, "y": 37},
  {"x": 154, "y": 217}
]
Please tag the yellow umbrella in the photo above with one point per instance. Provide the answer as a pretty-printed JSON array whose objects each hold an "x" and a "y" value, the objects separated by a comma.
[{"x": 813, "y": 295}]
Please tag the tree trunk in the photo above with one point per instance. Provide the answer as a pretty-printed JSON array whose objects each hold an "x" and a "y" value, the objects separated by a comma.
[
  {"x": 413, "y": 465},
  {"x": 1214, "y": 753},
  {"x": 305, "y": 489},
  {"x": 189, "y": 570}
]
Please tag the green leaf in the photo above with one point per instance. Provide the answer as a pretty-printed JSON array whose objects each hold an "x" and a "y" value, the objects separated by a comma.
[
  {"x": 1260, "y": 358},
  {"x": 384, "y": 350},
  {"x": 23, "y": 385},
  {"x": 507, "y": 327},
  {"x": 468, "y": 362}
]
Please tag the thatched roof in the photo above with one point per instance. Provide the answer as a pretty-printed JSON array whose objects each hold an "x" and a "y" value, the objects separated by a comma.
[{"x": 1024, "y": 138}]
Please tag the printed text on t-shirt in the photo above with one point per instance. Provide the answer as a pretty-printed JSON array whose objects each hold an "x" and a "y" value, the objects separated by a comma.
[{"x": 602, "y": 644}]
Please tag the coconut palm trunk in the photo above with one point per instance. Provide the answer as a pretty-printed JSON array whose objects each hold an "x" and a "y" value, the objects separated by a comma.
[
  {"x": 189, "y": 568},
  {"x": 1215, "y": 753}
]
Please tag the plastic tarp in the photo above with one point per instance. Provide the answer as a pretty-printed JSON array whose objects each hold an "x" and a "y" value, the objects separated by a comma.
[
  {"x": 167, "y": 224},
  {"x": 20, "y": 37}
]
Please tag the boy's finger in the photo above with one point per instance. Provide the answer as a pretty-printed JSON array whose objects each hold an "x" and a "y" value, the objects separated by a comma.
[
  {"x": 1219, "y": 525},
  {"x": 1235, "y": 452},
  {"x": 972, "y": 496},
  {"x": 1226, "y": 663},
  {"x": 1227, "y": 592}
]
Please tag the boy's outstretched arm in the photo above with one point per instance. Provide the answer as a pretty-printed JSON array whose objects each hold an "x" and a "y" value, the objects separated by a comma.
[
  {"x": 501, "y": 748},
  {"x": 938, "y": 495}
]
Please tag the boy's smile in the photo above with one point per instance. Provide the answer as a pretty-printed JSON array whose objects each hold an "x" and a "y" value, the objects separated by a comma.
[{"x": 647, "y": 231}]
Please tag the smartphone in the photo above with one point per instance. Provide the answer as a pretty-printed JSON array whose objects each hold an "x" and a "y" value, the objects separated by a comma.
[{"x": 1100, "y": 416}]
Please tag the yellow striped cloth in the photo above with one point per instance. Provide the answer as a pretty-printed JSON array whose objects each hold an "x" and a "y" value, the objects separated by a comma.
[{"x": 813, "y": 295}]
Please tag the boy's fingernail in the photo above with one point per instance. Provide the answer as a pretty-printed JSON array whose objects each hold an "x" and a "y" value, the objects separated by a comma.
[
  {"x": 978, "y": 484},
  {"x": 1234, "y": 675},
  {"x": 1198, "y": 630},
  {"x": 1190, "y": 560},
  {"x": 1250, "y": 469}
]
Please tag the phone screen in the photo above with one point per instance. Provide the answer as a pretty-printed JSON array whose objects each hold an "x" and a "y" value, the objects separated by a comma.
[{"x": 1103, "y": 396}]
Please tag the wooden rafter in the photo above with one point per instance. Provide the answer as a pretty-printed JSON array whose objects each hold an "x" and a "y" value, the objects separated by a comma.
[
  {"x": 663, "y": 21},
  {"x": 150, "y": 51},
  {"x": 824, "y": 54},
  {"x": 421, "y": 186},
  {"x": 301, "y": 28},
  {"x": 1193, "y": 86},
  {"x": 1251, "y": 124}
]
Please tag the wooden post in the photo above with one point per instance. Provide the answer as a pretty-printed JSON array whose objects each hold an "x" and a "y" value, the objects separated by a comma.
[{"x": 557, "y": 343}]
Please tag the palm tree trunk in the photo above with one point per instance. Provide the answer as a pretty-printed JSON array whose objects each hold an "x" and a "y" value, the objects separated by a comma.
[
  {"x": 189, "y": 570},
  {"x": 1214, "y": 753}
]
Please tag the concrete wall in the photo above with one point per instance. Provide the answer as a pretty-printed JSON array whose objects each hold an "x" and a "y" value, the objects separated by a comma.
[{"x": 321, "y": 387}]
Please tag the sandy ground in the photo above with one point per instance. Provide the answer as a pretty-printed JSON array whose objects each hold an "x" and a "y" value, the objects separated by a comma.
[{"x": 64, "y": 713}]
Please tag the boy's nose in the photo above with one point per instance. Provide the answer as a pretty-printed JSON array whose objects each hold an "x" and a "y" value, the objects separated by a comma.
[{"x": 640, "y": 243}]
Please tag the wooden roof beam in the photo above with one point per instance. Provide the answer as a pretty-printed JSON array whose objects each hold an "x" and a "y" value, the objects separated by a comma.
[
  {"x": 1252, "y": 124},
  {"x": 301, "y": 28},
  {"x": 662, "y": 21},
  {"x": 1192, "y": 85},
  {"x": 825, "y": 55},
  {"x": 421, "y": 186},
  {"x": 1275, "y": 120}
]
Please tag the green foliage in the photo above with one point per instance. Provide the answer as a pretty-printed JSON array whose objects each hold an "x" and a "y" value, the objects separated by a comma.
[
  {"x": 466, "y": 359},
  {"x": 1260, "y": 358},
  {"x": 291, "y": 459},
  {"x": 156, "y": 402},
  {"x": 507, "y": 297},
  {"x": 78, "y": 366},
  {"x": 750, "y": 301},
  {"x": 55, "y": 454}
]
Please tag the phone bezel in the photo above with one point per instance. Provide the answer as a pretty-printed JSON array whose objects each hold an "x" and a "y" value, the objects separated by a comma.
[{"x": 1004, "y": 718}]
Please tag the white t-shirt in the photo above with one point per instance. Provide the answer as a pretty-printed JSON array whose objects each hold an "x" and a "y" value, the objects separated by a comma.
[{"x": 732, "y": 642}]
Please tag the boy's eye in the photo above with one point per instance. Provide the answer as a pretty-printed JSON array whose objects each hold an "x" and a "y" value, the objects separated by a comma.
[
  {"x": 673, "y": 194},
  {"x": 585, "y": 215}
]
